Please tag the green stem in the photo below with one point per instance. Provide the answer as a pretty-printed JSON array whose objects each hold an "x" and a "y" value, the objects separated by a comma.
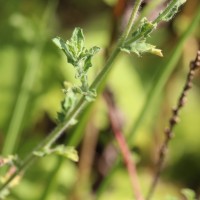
[
  {"x": 155, "y": 91},
  {"x": 155, "y": 22},
  {"x": 166, "y": 11},
  {"x": 81, "y": 104},
  {"x": 162, "y": 78}
]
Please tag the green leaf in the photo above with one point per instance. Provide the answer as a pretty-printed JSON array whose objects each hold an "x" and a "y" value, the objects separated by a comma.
[
  {"x": 137, "y": 42},
  {"x": 189, "y": 194},
  {"x": 81, "y": 59},
  {"x": 144, "y": 29},
  {"x": 72, "y": 48},
  {"x": 140, "y": 47},
  {"x": 67, "y": 152},
  {"x": 88, "y": 55}
]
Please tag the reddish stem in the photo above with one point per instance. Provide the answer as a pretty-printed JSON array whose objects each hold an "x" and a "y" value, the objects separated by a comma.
[{"x": 126, "y": 153}]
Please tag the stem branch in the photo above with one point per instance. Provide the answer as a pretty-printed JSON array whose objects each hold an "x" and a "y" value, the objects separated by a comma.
[{"x": 57, "y": 132}]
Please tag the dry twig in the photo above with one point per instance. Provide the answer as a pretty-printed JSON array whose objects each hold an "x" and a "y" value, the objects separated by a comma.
[
  {"x": 126, "y": 154},
  {"x": 172, "y": 122}
]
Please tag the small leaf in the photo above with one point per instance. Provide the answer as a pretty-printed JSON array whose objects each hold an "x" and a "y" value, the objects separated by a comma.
[
  {"x": 89, "y": 55},
  {"x": 144, "y": 29},
  {"x": 77, "y": 40},
  {"x": 68, "y": 152},
  {"x": 140, "y": 47},
  {"x": 40, "y": 153}
]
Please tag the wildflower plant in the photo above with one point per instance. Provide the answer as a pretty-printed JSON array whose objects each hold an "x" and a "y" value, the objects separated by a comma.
[{"x": 78, "y": 96}]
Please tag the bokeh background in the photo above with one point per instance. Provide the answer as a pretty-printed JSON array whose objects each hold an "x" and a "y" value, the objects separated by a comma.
[{"x": 32, "y": 72}]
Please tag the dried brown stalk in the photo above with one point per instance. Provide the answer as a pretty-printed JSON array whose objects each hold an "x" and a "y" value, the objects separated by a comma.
[
  {"x": 172, "y": 122},
  {"x": 126, "y": 153}
]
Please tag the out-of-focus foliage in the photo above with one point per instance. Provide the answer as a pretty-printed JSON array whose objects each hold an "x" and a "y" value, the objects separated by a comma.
[{"x": 26, "y": 30}]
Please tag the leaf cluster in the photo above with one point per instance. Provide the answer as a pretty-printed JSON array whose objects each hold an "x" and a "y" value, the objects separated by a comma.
[
  {"x": 137, "y": 42},
  {"x": 81, "y": 59}
]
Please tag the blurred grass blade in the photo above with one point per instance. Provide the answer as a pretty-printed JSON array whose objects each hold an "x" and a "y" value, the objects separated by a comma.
[{"x": 14, "y": 130}]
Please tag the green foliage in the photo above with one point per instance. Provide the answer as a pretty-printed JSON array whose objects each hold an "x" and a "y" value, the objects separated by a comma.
[
  {"x": 80, "y": 58},
  {"x": 129, "y": 98},
  {"x": 61, "y": 150},
  {"x": 138, "y": 44},
  {"x": 171, "y": 10}
]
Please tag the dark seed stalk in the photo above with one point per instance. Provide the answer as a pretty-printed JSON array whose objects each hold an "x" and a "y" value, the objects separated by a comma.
[{"x": 194, "y": 65}]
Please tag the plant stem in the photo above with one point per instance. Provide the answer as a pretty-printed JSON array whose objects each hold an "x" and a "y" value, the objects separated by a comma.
[
  {"x": 120, "y": 43},
  {"x": 155, "y": 22},
  {"x": 161, "y": 79},
  {"x": 155, "y": 91},
  {"x": 57, "y": 132},
  {"x": 167, "y": 10},
  {"x": 172, "y": 122},
  {"x": 126, "y": 154}
]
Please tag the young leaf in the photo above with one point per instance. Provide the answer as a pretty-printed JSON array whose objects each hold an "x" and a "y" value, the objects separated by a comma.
[
  {"x": 140, "y": 47},
  {"x": 68, "y": 152},
  {"x": 144, "y": 29},
  {"x": 138, "y": 44}
]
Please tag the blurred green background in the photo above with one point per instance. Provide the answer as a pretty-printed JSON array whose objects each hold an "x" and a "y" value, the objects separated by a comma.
[{"x": 32, "y": 71}]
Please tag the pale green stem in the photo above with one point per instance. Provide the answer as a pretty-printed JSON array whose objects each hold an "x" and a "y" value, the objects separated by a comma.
[
  {"x": 53, "y": 136},
  {"x": 156, "y": 21}
]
